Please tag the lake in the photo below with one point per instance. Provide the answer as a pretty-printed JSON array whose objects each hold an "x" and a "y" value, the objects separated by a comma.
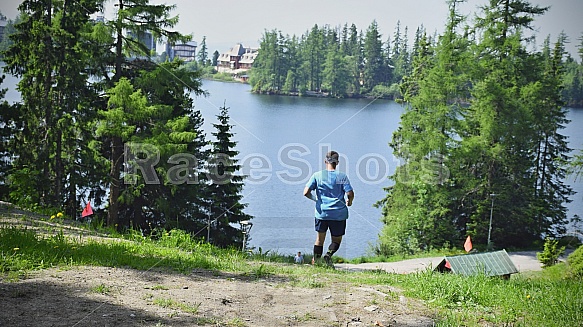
[{"x": 281, "y": 141}]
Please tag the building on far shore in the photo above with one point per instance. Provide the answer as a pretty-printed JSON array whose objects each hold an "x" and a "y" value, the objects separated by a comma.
[
  {"x": 145, "y": 38},
  {"x": 184, "y": 51},
  {"x": 237, "y": 61},
  {"x": 3, "y": 24}
]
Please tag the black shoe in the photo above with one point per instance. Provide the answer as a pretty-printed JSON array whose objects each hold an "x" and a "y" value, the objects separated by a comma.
[{"x": 328, "y": 260}]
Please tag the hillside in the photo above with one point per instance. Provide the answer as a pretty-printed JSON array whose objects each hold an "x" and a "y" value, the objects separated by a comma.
[
  {"x": 250, "y": 293},
  {"x": 58, "y": 273}
]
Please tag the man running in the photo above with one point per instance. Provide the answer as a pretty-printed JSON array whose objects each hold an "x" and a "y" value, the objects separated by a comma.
[{"x": 331, "y": 210}]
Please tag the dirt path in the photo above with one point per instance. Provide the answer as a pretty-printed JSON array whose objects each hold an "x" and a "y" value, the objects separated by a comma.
[{"x": 101, "y": 296}]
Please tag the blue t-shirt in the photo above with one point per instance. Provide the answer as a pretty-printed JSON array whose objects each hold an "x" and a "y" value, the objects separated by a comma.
[{"x": 330, "y": 187}]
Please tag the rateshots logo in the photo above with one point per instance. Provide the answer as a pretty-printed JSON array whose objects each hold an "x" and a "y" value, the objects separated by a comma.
[{"x": 142, "y": 159}]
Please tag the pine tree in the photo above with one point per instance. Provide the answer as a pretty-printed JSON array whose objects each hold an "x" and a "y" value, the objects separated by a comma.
[
  {"x": 344, "y": 45},
  {"x": 216, "y": 55},
  {"x": 374, "y": 65},
  {"x": 400, "y": 54},
  {"x": 203, "y": 53},
  {"x": 178, "y": 200},
  {"x": 136, "y": 17},
  {"x": 225, "y": 207},
  {"x": 51, "y": 54},
  {"x": 314, "y": 57},
  {"x": 500, "y": 127},
  {"x": 336, "y": 74},
  {"x": 264, "y": 75},
  {"x": 9, "y": 115},
  {"x": 419, "y": 207},
  {"x": 549, "y": 117}
]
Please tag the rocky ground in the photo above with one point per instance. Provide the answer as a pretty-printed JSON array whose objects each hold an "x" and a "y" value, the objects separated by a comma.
[{"x": 103, "y": 296}]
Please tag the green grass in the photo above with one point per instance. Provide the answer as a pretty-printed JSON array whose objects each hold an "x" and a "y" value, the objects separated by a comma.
[
  {"x": 23, "y": 250},
  {"x": 175, "y": 305},
  {"x": 546, "y": 298},
  {"x": 235, "y": 322},
  {"x": 101, "y": 289}
]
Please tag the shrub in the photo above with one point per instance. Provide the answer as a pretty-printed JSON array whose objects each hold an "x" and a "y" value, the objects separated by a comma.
[
  {"x": 575, "y": 261},
  {"x": 551, "y": 252}
]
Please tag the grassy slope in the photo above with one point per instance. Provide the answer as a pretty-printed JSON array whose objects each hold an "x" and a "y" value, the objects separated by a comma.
[{"x": 538, "y": 299}]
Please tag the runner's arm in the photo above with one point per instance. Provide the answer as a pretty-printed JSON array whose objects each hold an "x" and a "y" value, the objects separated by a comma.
[
  {"x": 308, "y": 194},
  {"x": 350, "y": 195}
]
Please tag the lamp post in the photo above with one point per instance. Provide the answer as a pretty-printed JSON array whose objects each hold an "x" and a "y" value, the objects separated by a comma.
[
  {"x": 245, "y": 228},
  {"x": 492, "y": 195}
]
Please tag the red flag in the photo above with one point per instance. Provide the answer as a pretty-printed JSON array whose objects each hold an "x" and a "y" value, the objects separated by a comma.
[
  {"x": 447, "y": 265},
  {"x": 87, "y": 211},
  {"x": 468, "y": 245}
]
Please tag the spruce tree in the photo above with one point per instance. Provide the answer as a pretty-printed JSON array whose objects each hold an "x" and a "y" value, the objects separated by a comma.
[
  {"x": 203, "y": 53},
  {"x": 263, "y": 76},
  {"x": 314, "y": 57},
  {"x": 336, "y": 74},
  {"x": 9, "y": 115},
  {"x": 133, "y": 17},
  {"x": 549, "y": 118},
  {"x": 418, "y": 211},
  {"x": 178, "y": 201},
  {"x": 51, "y": 54},
  {"x": 216, "y": 55},
  {"x": 224, "y": 190},
  {"x": 500, "y": 127},
  {"x": 374, "y": 65}
]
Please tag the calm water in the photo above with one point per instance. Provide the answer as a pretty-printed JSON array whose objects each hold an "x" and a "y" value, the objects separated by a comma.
[
  {"x": 281, "y": 141},
  {"x": 284, "y": 138}
]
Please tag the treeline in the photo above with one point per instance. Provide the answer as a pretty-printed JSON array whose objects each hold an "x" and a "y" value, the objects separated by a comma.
[
  {"x": 480, "y": 139},
  {"x": 572, "y": 92},
  {"x": 101, "y": 122},
  {"x": 341, "y": 62},
  {"x": 347, "y": 62}
]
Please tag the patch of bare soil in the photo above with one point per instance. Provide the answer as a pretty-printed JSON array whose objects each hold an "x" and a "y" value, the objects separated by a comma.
[{"x": 103, "y": 296}]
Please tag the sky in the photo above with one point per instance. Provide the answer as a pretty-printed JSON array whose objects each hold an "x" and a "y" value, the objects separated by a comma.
[{"x": 225, "y": 23}]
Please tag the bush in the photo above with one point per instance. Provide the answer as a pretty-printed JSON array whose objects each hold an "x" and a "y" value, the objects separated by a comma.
[
  {"x": 575, "y": 261},
  {"x": 551, "y": 252}
]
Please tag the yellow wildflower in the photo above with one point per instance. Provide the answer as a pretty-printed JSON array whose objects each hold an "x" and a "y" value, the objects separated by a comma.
[
  {"x": 16, "y": 249},
  {"x": 59, "y": 215},
  {"x": 53, "y": 217}
]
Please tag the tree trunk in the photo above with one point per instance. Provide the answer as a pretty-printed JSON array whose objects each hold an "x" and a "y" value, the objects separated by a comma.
[
  {"x": 116, "y": 142},
  {"x": 115, "y": 182}
]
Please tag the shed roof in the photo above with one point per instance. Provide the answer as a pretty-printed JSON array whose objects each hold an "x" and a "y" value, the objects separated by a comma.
[{"x": 496, "y": 263}]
